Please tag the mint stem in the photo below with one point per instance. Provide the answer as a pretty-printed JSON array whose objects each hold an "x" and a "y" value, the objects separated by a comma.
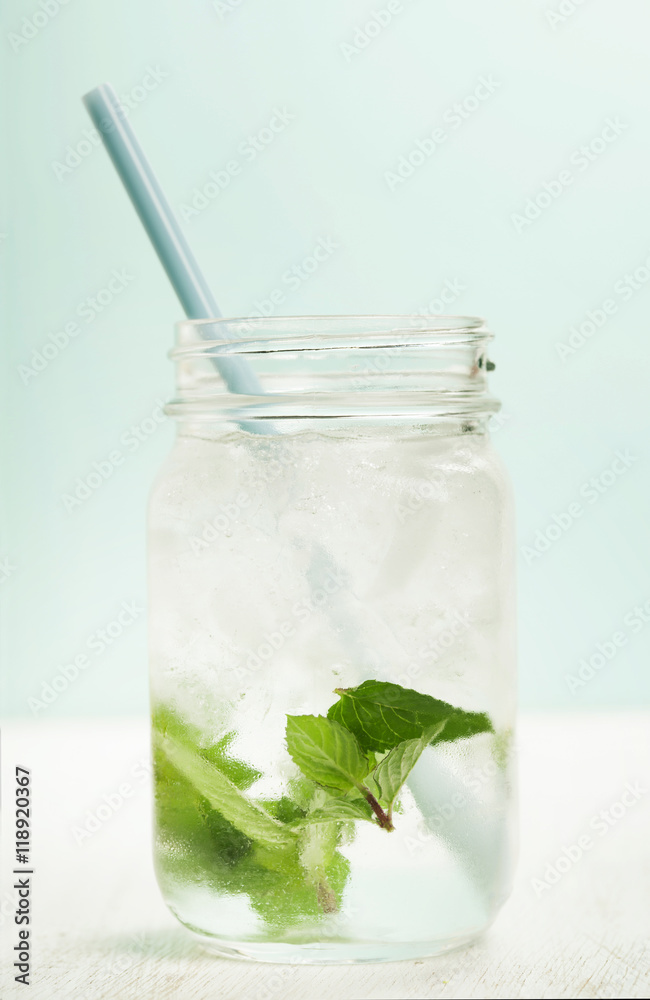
[
  {"x": 326, "y": 898},
  {"x": 383, "y": 818}
]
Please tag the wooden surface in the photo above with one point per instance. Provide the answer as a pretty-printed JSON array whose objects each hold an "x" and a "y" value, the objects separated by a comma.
[{"x": 101, "y": 930}]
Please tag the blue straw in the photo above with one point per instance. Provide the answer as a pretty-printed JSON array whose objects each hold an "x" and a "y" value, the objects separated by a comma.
[{"x": 162, "y": 227}]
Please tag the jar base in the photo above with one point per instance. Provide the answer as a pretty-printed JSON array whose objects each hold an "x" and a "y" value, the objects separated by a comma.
[{"x": 332, "y": 952}]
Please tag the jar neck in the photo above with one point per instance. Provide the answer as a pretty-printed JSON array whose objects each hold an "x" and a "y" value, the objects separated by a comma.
[
  {"x": 386, "y": 370},
  {"x": 215, "y": 428}
]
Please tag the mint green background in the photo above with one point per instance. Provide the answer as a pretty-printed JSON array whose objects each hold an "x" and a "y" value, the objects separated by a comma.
[{"x": 324, "y": 177}]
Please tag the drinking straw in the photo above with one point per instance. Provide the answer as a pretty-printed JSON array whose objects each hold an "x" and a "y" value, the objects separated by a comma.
[{"x": 163, "y": 229}]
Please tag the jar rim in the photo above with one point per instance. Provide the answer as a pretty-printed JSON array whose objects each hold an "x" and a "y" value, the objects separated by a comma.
[
  {"x": 255, "y": 334},
  {"x": 332, "y": 366}
]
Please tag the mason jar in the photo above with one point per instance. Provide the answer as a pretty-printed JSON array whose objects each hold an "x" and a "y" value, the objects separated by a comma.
[{"x": 331, "y": 567}]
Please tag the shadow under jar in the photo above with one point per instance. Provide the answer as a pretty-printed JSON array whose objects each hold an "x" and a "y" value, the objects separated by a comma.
[{"x": 331, "y": 566}]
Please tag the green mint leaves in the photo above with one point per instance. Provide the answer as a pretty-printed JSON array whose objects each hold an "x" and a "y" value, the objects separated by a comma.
[
  {"x": 326, "y": 752},
  {"x": 393, "y": 769},
  {"x": 339, "y": 810},
  {"x": 340, "y": 752},
  {"x": 224, "y": 795},
  {"x": 283, "y": 853},
  {"x": 382, "y": 715}
]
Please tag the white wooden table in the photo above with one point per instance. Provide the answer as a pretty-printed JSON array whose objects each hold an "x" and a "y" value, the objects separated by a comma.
[{"x": 101, "y": 930}]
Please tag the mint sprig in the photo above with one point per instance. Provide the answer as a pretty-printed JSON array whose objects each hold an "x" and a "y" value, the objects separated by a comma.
[{"x": 340, "y": 752}]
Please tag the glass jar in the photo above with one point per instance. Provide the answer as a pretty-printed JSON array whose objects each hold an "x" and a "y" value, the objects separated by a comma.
[{"x": 332, "y": 640}]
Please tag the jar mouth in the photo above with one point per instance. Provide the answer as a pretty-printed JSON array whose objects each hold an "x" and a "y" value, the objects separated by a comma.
[
  {"x": 252, "y": 335},
  {"x": 245, "y": 369}
]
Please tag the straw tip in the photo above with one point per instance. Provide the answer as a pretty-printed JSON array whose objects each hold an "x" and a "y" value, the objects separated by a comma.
[{"x": 100, "y": 92}]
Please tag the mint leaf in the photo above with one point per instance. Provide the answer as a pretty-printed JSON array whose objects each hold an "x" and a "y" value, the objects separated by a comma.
[
  {"x": 393, "y": 770},
  {"x": 230, "y": 842},
  {"x": 382, "y": 715},
  {"x": 284, "y": 809},
  {"x": 168, "y": 723},
  {"x": 224, "y": 796},
  {"x": 461, "y": 725},
  {"x": 184, "y": 819},
  {"x": 325, "y": 752},
  {"x": 335, "y": 810},
  {"x": 239, "y": 772}
]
